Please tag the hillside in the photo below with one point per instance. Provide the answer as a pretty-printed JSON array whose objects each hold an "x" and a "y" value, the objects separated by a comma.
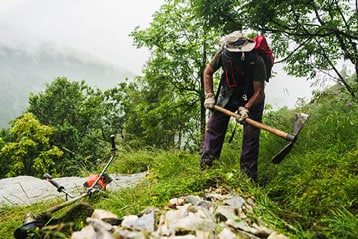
[
  {"x": 23, "y": 72},
  {"x": 312, "y": 193}
]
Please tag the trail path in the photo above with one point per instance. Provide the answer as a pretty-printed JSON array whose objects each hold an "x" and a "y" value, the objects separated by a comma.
[{"x": 26, "y": 190}]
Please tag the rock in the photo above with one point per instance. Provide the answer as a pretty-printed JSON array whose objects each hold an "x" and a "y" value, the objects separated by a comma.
[
  {"x": 234, "y": 201},
  {"x": 227, "y": 234},
  {"x": 129, "y": 221},
  {"x": 147, "y": 221},
  {"x": 103, "y": 215},
  {"x": 224, "y": 213},
  {"x": 87, "y": 232},
  {"x": 173, "y": 203},
  {"x": 194, "y": 200},
  {"x": 262, "y": 231},
  {"x": 275, "y": 235},
  {"x": 27, "y": 190},
  {"x": 215, "y": 216}
]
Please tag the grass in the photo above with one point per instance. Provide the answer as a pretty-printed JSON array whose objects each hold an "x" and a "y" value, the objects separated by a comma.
[
  {"x": 311, "y": 194},
  {"x": 170, "y": 174},
  {"x": 300, "y": 206}
]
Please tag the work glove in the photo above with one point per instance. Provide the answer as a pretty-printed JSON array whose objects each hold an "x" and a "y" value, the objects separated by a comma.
[
  {"x": 243, "y": 114},
  {"x": 209, "y": 101}
]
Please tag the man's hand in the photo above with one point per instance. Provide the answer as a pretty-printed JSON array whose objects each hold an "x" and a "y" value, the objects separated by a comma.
[
  {"x": 244, "y": 113},
  {"x": 209, "y": 101}
]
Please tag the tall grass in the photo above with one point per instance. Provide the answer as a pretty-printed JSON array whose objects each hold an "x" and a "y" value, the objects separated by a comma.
[
  {"x": 312, "y": 193},
  {"x": 318, "y": 180}
]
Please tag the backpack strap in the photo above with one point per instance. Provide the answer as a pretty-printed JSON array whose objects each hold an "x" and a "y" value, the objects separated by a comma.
[{"x": 249, "y": 72}]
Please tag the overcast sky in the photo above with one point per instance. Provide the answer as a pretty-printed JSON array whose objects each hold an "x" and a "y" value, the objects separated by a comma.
[
  {"x": 98, "y": 27},
  {"x": 101, "y": 28}
]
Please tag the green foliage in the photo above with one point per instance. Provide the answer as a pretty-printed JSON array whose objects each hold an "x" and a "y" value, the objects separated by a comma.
[
  {"x": 218, "y": 13},
  {"x": 82, "y": 120},
  {"x": 318, "y": 180},
  {"x": 172, "y": 87},
  {"x": 311, "y": 194},
  {"x": 132, "y": 161},
  {"x": 310, "y": 36},
  {"x": 30, "y": 152},
  {"x": 341, "y": 224},
  {"x": 169, "y": 174}
]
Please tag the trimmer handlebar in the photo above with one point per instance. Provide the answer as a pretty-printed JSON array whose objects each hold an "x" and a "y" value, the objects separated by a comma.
[
  {"x": 113, "y": 143},
  {"x": 60, "y": 188},
  {"x": 48, "y": 178}
]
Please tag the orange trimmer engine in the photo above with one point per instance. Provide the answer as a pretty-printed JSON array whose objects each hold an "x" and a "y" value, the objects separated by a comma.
[{"x": 101, "y": 183}]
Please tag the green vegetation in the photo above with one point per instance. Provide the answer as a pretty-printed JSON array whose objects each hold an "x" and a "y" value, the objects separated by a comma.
[
  {"x": 311, "y": 37},
  {"x": 311, "y": 194},
  {"x": 31, "y": 152},
  {"x": 159, "y": 120}
]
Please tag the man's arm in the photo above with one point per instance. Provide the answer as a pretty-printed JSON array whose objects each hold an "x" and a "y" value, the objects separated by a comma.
[
  {"x": 209, "y": 71},
  {"x": 208, "y": 79},
  {"x": 258, "y": 96},
  {"x": 259, "y": 77}
]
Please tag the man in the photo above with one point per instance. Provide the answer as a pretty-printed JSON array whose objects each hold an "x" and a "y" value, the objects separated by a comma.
[{"x": 242, "y": 90}]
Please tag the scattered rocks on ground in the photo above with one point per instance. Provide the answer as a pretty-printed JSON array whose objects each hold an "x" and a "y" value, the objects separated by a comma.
[
  {"x": 214, "y": 216},
  {"x": 219, "y": 214}
]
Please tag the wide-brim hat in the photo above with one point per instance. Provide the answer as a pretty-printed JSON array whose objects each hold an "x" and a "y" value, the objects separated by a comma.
[{"x": 238, "y": 42}]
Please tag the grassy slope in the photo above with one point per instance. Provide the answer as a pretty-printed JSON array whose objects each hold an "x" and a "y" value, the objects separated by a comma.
[{"x": 311, "y": 194}]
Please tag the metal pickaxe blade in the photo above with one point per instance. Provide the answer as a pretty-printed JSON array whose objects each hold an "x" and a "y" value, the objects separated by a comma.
[
  {"x": 298, "y": 124},
  {"x": 300, "y": 120}
]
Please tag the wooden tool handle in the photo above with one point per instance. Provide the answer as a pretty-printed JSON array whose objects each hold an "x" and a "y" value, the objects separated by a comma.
[{"x": 259, "y": 125}]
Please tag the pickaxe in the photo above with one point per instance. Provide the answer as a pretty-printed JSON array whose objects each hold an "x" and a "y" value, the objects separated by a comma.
[{"x": 300, "y": 120}]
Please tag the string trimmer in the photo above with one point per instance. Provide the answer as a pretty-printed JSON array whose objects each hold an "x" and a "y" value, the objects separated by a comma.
[
  {"x": 300, "y": 120},
  {"x": 93, "y": 184}
]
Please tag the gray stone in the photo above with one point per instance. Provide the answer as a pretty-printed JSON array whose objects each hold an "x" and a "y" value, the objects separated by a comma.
[
  {"x": 234, "y": 200},
  {"x": 224, "y": 213},
  {"x": 146, "y": 221},
  {"x": 194, "y": 200},
  {"x": 27, "y": 190},
  {"x": 86, "y": 232},
  {"x": 227, "y": 234},
  {"x": 129, "y": 221}
]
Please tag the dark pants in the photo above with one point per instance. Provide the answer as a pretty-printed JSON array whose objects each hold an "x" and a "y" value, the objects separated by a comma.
[{"x": 215, "y": 135}]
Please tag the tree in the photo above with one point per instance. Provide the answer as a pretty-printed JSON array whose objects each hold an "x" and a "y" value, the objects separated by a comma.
[
  {"x": 123, "y": 102},
  {"x": 30, "y": 152},
  {"x": 4, "y": 161},
  {"x": 172, "y": 86},
  {"x": 81, "y": 118},
  {"x": 309, "y": 36}
]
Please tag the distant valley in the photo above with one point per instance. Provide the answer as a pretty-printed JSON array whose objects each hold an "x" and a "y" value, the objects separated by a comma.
[{"x": 22, "y": 72}]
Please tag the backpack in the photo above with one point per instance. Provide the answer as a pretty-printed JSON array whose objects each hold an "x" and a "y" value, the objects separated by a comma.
[{"x": 263, "y": 49}]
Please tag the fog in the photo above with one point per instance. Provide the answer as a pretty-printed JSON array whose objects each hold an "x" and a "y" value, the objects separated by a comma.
[{"x": 102, "y": 28}]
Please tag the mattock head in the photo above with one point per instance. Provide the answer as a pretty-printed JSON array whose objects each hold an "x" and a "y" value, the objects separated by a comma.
[{"x": 300, "y": 120}]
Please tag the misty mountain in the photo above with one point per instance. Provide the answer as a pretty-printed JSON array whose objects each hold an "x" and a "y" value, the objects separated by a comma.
[{"x": 23, "y": 72}]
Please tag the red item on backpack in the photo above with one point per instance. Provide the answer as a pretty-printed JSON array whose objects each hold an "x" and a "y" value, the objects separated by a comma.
[{"x": 263, "y": 49}]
